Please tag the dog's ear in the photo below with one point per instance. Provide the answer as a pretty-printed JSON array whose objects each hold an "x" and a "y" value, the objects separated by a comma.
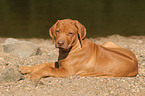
[
  {"x": 81, "y": 31},
  {"x": 52, "y": 31}
]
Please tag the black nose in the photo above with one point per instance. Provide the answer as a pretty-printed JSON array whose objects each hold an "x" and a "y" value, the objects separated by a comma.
[{"x": 60, "y": 42}]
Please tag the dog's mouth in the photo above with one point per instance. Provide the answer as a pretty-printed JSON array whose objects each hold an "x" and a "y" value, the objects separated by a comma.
[
  {"x": 64, "y": 49},
  {"x": 61, "y": 48}
]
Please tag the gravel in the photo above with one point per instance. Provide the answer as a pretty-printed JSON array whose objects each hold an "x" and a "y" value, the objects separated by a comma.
[{"x": 73, "y": 85}]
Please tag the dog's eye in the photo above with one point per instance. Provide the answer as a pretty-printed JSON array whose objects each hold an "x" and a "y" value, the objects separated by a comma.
[
  {"x": 57, "y": 31},
  {"x": 70, "y": 33}
]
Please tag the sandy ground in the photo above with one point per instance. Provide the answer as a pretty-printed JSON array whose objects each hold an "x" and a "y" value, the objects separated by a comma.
[{"x": 74, "y": 85}]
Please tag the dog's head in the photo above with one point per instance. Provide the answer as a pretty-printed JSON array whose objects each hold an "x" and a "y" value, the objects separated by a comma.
[{"x": 65, "y": 33}]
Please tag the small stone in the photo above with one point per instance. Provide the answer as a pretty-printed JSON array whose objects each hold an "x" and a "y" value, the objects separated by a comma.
[{"x": 7, "y": 64}]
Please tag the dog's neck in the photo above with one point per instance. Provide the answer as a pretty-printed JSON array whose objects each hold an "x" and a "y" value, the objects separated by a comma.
[{"x": 63, "y": 54}]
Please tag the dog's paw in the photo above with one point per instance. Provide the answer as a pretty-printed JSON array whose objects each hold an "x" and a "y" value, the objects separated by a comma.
[
  {"x": 33, "y": 77},
  {"x": 25, "y": 69}
]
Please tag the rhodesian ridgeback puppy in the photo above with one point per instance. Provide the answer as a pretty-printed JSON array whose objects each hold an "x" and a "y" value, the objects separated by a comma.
[{"x": 79, "y": 56}]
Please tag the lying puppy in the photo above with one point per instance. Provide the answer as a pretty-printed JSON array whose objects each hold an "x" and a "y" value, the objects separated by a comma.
[{"x": 79, "y": 56}]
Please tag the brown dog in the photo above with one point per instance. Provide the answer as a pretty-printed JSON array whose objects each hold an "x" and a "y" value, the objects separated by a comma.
[{"x": 79, "y": 56}]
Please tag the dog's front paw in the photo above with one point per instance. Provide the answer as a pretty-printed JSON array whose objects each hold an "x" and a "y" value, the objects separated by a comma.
[
  {"x": 33, "y": 77},
  {"x": 25, "y": 69}
]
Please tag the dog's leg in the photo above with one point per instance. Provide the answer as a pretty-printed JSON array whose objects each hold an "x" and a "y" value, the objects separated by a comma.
[
  {"x": 30, "y": 69},
  {"x": 47, "y": 71},
  {"x": 43, "y": 70},
  {"x": 110, "y": 44}
]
